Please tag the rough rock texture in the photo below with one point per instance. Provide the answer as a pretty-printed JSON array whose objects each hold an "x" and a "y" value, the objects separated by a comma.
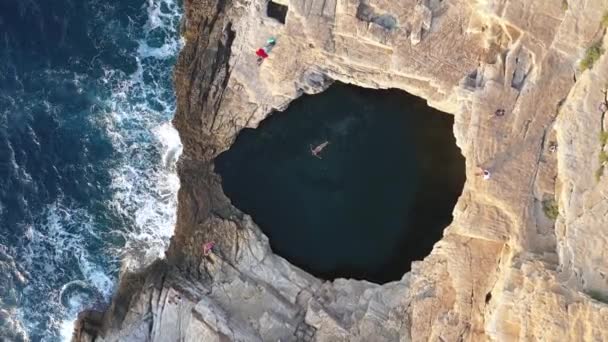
[{"x": 504, "y": 270}]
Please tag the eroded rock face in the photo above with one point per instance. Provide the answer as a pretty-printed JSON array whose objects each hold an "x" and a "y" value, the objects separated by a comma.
[{"x": 503, "y": 270}]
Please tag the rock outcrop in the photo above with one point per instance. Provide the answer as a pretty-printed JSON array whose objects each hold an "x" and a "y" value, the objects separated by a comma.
[{"x": 525, "y": 257}]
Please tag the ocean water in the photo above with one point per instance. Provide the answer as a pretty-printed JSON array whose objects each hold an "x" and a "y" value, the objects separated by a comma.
[
  {"x": 379, "y": 197},
  {"x": 87, "y": 153}
]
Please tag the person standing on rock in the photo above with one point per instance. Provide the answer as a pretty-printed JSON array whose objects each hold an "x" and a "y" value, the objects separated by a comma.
[
  {"x": 208, "y": 248},
  {"x": 499, "y": 112},
  {"x": 484, "y": 173},
  {"x": 262, "y": 53}
]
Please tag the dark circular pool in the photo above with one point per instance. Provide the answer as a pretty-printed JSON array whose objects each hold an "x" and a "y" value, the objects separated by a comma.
[{"x": 376, "y": 198}]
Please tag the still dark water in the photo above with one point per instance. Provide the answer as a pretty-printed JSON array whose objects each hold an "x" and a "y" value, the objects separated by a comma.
[
  {"x": 87, "y": 153},
  {"x": 378, "y": 199}
]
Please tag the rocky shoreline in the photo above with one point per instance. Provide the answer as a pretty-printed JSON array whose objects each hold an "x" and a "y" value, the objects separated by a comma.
[{"x": 505, "y": 268}]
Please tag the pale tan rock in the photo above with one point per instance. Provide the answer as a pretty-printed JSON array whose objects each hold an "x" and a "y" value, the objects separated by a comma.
[{"x": 503, "y": 270}]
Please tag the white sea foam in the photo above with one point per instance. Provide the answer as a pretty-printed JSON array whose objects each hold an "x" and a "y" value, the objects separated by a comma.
[
  {"x": 63, "y": 236},
  {"x": 66, "y": 329},
  {"x": 168, "y": 137},
  {"x": 145, "y": 185},
  {"x": 162, "y": 52}
]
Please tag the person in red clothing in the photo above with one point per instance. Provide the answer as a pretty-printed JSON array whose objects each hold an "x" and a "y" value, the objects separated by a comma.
[{"x": 262, "y": 55}]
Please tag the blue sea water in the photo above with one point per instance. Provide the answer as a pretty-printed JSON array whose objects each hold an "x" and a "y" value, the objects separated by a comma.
[{"x": 87, "y": 153}]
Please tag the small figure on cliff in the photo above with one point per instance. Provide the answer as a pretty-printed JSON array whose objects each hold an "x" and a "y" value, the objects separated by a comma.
[
  {"x": 270, "y": 43},
  {"x": 552, "y": 147},
  {"x": 317, "y": 150},
  {"x": 208, "y": 248},
  {"x": 500, "y": 112},
  {"x": 262, "y": 53},
  {"x": 484, "y": 173}
]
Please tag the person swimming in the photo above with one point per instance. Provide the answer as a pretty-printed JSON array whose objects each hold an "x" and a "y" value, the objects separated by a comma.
[{"x": 317, "y": 150}]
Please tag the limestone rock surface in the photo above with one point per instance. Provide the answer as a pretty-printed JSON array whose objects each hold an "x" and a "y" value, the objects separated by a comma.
[{"x": 506, "y": 268}]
